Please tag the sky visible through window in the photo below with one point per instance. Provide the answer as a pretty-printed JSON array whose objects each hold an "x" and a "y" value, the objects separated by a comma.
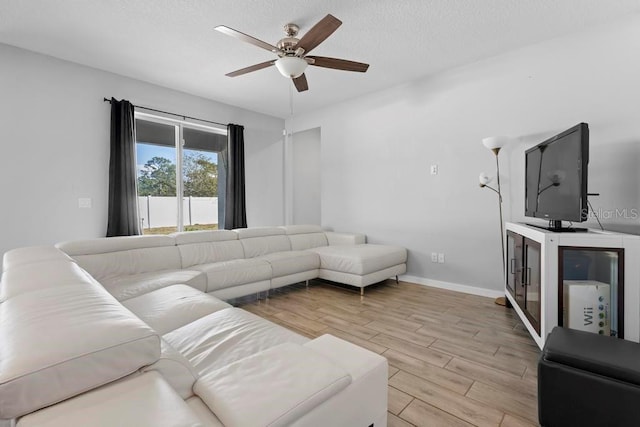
[{"x": 145, "y": 152}]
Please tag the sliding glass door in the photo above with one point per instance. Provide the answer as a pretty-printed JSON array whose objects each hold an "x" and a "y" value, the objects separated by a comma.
[{"x": 181, "y": 174}]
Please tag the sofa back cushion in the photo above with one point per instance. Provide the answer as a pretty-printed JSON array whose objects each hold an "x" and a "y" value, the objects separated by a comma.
[
  {"x": 62, "y": 341},
  {"x": 31, "y": 255},
  {"x": 206, "y": 247},
  {"x": 258, "y": 241},
  {"x": 114, "y": 244},
  {"x": 121, "y": 256},
  {"x": 25, "y": 278},
  {"x": 305, "y": 236}
]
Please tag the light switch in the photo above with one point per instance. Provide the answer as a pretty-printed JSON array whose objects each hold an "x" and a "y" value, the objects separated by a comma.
[
  {"x": 434, "y": 169},
  {"x": 84, "y": 203}
]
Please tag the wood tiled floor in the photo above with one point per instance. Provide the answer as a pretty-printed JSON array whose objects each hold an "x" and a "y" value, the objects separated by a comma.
[{"x": 454, "y": 359}]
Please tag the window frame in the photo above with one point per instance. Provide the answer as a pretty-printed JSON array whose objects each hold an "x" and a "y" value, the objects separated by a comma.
[{"x": 179, "y": 126}]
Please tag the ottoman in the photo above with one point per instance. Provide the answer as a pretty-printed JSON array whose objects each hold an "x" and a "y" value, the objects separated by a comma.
[{"x": 361, "y": 265}]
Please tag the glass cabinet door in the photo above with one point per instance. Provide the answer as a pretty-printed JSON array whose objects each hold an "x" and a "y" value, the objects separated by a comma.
[
  {"x": 591, "y": 289},
  {"x": 524, "y": 275},
  {"x": 514, "y": 261},
  {"x": 532, "y": 281},
  {"x": 519, "y": 268}
]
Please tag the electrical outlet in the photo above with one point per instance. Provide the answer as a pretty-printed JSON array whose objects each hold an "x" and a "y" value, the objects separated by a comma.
[
  {"x": 440, "y": 258},
  {"x": 434, "y": 257},
  {"x": 434, "y": 169}
]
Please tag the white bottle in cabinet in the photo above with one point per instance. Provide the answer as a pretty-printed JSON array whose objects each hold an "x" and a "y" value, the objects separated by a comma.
[{"x": 536, "y": 259}]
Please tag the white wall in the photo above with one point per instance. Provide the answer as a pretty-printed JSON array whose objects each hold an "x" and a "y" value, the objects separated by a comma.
[
  {"x": 54, "y": 133},
  {"x": 379, "y": 147},
  {"x": 307, "y": 175}
]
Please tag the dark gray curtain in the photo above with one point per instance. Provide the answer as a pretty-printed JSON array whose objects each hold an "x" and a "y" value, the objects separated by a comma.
[
  {"x": 235, "y": 210},
  {"x": 123, "y": 195}
]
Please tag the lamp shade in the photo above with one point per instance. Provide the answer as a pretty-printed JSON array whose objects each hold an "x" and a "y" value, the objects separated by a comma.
[
  {"x": 291, "y": 66},
  {"x": 494, "y": 142},
  {"x": 484, "y": 179}
]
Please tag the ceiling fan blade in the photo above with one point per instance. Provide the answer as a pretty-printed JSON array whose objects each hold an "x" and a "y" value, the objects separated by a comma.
[
  {"x": 338, "y": 64},
  {"x": 255, "y": 67},
  {"x": 246, "y": 38},
  {"x": 301, "y": 83},
  {"x": 319, "y": 32}
]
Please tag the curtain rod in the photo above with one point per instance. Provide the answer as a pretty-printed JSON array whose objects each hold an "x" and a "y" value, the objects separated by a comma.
[{"x": 173, "y": 114}]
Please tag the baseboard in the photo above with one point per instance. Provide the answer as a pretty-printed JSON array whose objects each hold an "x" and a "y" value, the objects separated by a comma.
[{"x": 490, "y": 293}]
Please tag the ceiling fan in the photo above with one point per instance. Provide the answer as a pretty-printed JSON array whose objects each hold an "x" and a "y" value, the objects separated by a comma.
[{"x": 293, "y": 52}]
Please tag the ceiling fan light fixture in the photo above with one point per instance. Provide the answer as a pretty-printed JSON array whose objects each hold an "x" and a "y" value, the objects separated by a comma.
[
  {"x": 292, "y": 60},
  {"x": 291, "y": 66}
]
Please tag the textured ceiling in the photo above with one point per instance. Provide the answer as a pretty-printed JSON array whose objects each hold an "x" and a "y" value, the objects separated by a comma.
[{"x": 172, "y": 42}]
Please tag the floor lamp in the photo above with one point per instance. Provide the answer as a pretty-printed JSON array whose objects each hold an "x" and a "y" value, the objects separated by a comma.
[{"x": 495, "y": 143}]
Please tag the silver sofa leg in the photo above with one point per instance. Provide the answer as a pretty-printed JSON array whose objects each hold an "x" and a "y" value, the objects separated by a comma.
[
  {"x": 307, "y": 284},
  {"x": 361, "y": 292}
]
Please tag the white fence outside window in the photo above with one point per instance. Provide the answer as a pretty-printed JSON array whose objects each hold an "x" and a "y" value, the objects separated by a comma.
[{"x": 162, "y": 211}]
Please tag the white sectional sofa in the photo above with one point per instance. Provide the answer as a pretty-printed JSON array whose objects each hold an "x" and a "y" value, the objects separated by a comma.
[
  {"x": 128, "y": 332},
  {"x": 231, "y": 264}
]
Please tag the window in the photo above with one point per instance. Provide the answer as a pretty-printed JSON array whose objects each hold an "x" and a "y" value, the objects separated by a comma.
[{"x": 181, "y": 174}]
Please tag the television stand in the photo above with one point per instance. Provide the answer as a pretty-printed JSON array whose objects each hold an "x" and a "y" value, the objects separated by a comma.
[
  {"x": 542, "y": 265},
  {"x": 560, "y": 229}
]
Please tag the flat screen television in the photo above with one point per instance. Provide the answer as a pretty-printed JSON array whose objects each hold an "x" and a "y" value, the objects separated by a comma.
[{"x": 556, "y": 178}]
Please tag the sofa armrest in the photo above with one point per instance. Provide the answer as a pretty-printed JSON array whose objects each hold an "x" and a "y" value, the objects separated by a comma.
[
  {"x": 602, "y": 355},
  {"x": 341, "y": 239}
]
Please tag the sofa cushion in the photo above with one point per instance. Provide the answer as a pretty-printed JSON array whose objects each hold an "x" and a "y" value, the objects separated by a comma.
[
  {"x": 176, "y": 369},
  {"x": 338, "y": 239},
  {"x": 300, "y": 242},
  {"x": 203, "y": 412},
  {"x": 105, "y": 245},
  {"x": 367, "y": 393},
  {"x": 225, "y": 336},
  {"x": 242, "y": 393},
  {"x": 354, "y": 359},
  {"x": 143, "y": 400},
  {"x": 25, "y": 278},
  {"x": 360, "y": 259},
  {"x": 60, "y": 342},
  {"x": 258, "y": 246},
  {"x": 301, "y": 229},
  {"x": 258, "y": 241},
  {"x": 199, "y": 253},
  {"x": 32, "y": 255},
  {"x": 130, "y": 286},
  {"x": 204, "y": 236},
  {"x": 305, "y": 236},
  {"x": 226, "y": 274},
  {"x": 172, "y": 307},
  {"x": 247, "y": 233},
  {"x": 130, "y": 262},
  {"x": 291, "y": 262}
]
